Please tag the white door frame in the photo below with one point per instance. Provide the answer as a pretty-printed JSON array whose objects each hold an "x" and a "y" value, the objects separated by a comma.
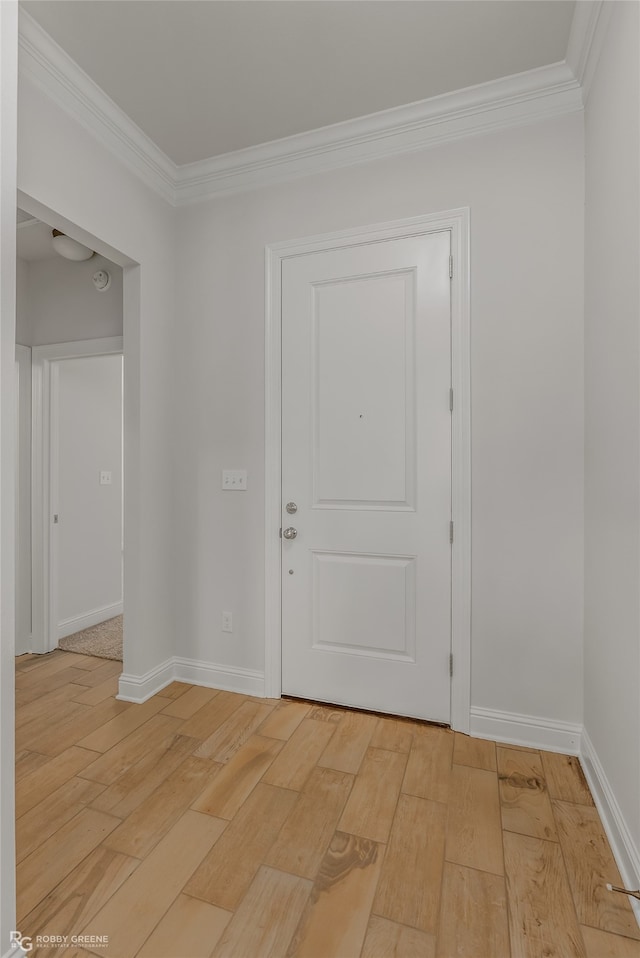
[
  {"x": 23, "y": 427},
  {"x": 44, "y": 572},
  {"x": 457, "y": 222}
]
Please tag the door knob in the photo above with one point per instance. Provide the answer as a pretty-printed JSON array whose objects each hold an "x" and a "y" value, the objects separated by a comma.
[{"x": 290, "y": 533}]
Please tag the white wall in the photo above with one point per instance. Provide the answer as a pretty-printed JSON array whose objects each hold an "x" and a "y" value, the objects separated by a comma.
[
  {"x": 612, "y": 414},
  {"x": 59, "y": 167},
  {"x": 525, "y": 191},
  {"x": 8, "y": 117},
  {"x": 88, "y": 416},
  {"x": 63, "y": 305}
]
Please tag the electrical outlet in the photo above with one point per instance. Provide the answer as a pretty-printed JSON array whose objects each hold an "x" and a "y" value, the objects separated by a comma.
[
  {"x": 227, "y": 622},
  {"x": 234, "y": 480}
]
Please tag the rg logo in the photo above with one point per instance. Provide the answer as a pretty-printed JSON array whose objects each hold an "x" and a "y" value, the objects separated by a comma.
[{"x": 20, "y": 941}]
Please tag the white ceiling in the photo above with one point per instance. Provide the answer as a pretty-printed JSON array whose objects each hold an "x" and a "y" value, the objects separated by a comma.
[
  {"x": 205, "y": 77},
  {"x": 33, "y": 239}
]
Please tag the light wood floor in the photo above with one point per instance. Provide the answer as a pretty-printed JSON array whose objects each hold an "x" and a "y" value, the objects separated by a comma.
[{"x": 206, "y": 823}]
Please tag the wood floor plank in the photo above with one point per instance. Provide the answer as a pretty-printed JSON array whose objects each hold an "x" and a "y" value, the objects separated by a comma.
[
  {"x": 97, "y": 693},
  {"x": 300, "y": 754},
  {"x": 40, "y": 667},
  {"x": 143, "y": 778},
  {"x": 190, "y": 927},
  {"x": 29, "y": 736},
  {"x": 393, "y": 735},
  {"x": 37, "y": 825},
  {"x": 307, "y": 832},
  {"x": 211, "y": 716},
  {"x": 524, "y": 799},
  {"x": 542, "y": 918},
  {"x": 59, "y": 737},
  {"x": 326, "y": 713},
  {"x": 86, "y": 662},
  {"x": 45, "y": 705},
  {"x": 236, "y": 780},
  {"x": 429, "y": 767},
  {"x": 600, "y": 944},
  {"x": 93, "y": 677},
  {"x": 335, "y": 919},
  {"x": 591, "y": 865},
  {"x": 110, "y": 734},
  {"x": 409, "y": 888},
  {"x": 81, "y": 895},
  {"x": 267, "y": 918},
  {"x": 283, "y": 722},
  {"x": 187, "y": 704},
  {"x": 109, "y": 765},
  {"x": 174, "y": 690},
  {"x": 27, "y": 762},
  {"x": 372, "y": 803},
  {"x": 52, "y": 861},
  {"x": 132, "y": 913},
  {"x": 34, "y": 687},
  {"x": 151, "y": 820},
  {"x": 40, "y": 783},
  {"x": 348, "y": 745},
  {"x": 386, "y": 939},
  {"x": 476, "y": 752},
  {"x": 474, "y": 831},
  {"x": 473, "y": 914},
  {"x": 232, "y": 734},
  {"x": 565, "y": 778},
  {"x": 227, "y": 871}
]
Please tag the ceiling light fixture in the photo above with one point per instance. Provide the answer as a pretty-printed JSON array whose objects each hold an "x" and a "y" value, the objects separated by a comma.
[{"x": 70, "y": 248}]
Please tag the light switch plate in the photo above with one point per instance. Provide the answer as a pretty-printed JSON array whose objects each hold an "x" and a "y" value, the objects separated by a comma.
[
  {"x": 234, "y": 480},
  {"x": 105, "y": 478}
]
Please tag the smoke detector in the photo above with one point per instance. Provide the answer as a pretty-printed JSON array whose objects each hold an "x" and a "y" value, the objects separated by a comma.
[{"x": 101, "y": 280}]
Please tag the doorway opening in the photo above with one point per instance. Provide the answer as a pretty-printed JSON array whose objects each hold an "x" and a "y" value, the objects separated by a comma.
[{"x": 77, "y": 448}]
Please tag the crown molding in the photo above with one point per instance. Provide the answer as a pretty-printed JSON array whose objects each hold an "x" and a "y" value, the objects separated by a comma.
[
  {"x": 513, "y": 101},
  {"x": 516, "y": 100},
  {"x": 586, "y": 39},
  {"x": 52, "y": 70}
]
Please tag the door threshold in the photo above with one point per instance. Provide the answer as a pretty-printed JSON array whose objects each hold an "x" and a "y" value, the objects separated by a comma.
[{"x": 354, "y": 708}]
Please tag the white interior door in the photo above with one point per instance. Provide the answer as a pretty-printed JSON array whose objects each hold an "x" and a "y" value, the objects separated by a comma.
[{"x": 366, "y": 459}]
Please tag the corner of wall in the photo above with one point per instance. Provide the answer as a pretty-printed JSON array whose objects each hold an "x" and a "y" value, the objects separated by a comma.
[{"x": 624, "y": 849}]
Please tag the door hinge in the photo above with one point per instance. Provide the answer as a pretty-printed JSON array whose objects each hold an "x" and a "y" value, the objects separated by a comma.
[
  {"x": 451, "y": 531},
  {"x": 451, "y": 663},
  {"x": 451, "y": 400},
  {"x": 281, "y": 532},
  {"x": 451, "y": 267}
]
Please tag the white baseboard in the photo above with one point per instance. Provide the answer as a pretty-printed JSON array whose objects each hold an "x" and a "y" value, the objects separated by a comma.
[
  {"x": 212, "y": 676},
  {"x": 529, "y": 730},
  {"x": 624, "y": 849},
  {"x": 139, "y": 688},
  {"x": 79, "y": 622}
]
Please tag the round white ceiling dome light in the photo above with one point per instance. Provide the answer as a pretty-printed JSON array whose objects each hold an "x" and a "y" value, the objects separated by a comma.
[{"x": 70, "y": 248}]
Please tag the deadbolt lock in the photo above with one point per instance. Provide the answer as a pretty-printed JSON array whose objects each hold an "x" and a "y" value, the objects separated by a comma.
[{"x": 291, "y": 508}]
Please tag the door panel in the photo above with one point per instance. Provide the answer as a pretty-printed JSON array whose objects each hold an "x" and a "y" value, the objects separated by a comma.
[
  {"x": 367, "y": 460},
  {"x": 363, "y": 356}
]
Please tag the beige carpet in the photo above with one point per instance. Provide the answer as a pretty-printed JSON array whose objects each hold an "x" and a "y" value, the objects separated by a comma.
[{"x": 103, "y": 640}]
